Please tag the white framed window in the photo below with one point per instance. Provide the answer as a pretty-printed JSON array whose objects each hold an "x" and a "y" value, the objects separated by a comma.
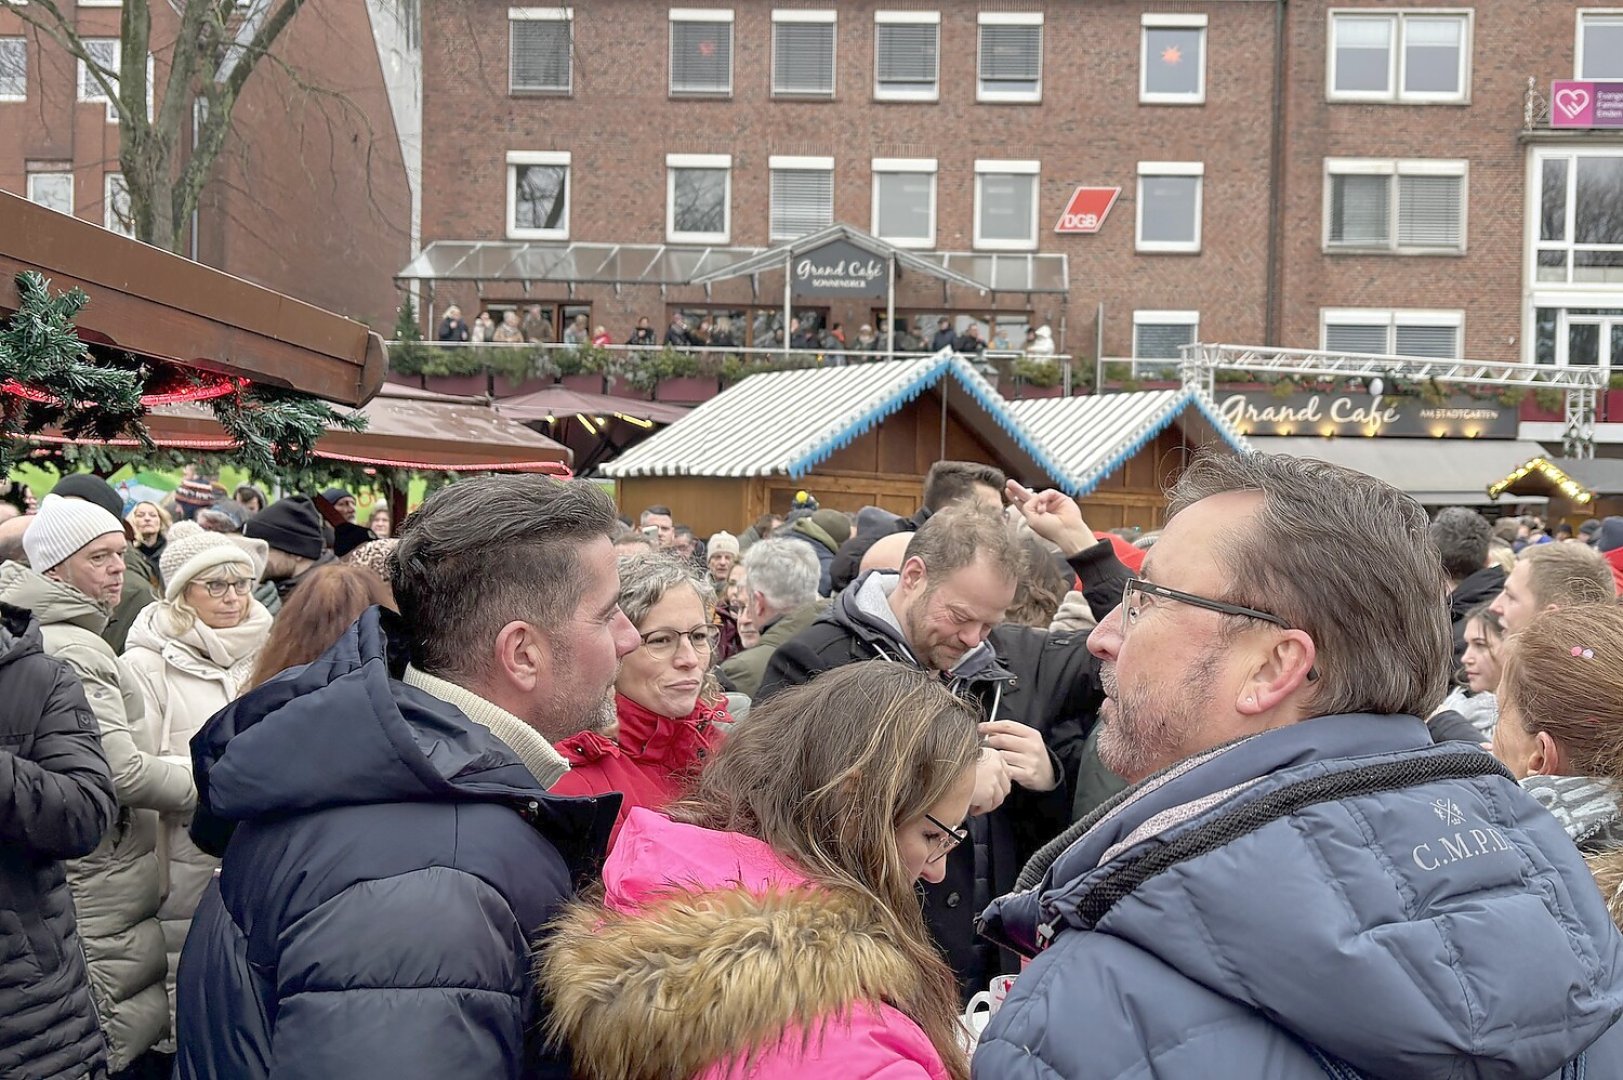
[
  {"x": 1414, "y": 57},
  {"x": 1579, "y": 238},
  {"x": 1599, "y": 49},
  {"x": 1578, "y": 336},
  {"x": 1435, "y": 335},
  {"x": 803, "y": 53},
  {"x": 702, "y": 51},
  {"x": 906, "y": 55},
  {"x": 802, "y": 195},
  {"x": 52, "y": 189},
  {"x": 904, "y": 201},
  {"x": 1169, "y": 205},
  {"x": 1157, "y": 335},
  {"x": 101, "y": 3},
  {"x": 1006, "y": 205},
  {"x": 1172, "y": 60},
  {"x": 115, "y": 203},
  {"x": 538, "y": 194},
  {"x": 540, "y": 50},
  {"x": 1010, "y": 56},
  {"x": 698, "y": 198},
  {"x": 1414, "y": 207},
  {"x": 13, "y": 69},
  {"x": 108, "y": 54}
]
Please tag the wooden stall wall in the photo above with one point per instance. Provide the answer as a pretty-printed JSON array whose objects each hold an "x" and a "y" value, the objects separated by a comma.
[
  {"x": 1134, "y": 496},
  {"x": 705, "y": 503}
]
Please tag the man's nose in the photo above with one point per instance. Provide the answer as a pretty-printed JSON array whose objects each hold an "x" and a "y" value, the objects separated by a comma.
[{"x": 1104, "y": 641}]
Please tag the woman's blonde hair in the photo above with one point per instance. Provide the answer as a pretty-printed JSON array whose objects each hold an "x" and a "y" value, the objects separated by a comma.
[
  {"x": 164, "y": 520},
  {"x": 824, "y": 774}
]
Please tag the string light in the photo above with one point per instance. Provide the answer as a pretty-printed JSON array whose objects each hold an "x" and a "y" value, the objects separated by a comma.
[
  {"x": 215, "y": 387},
  {"x": 1569, "y": 487}
]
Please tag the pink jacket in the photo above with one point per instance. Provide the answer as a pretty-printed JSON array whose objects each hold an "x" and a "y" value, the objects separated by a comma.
[{"x": 740, "y": 952}]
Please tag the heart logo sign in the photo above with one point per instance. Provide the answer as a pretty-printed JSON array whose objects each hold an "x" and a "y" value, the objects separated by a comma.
[{"x": 1571, "y": 101}]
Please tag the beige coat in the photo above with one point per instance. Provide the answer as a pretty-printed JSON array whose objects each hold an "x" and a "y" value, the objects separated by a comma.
[
  {"x": 184, "y": 679},
  {"x": 116, "y": 888}
]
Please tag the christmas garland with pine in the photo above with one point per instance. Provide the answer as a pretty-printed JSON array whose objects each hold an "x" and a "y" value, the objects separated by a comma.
[{"x": 50, "y": 378}]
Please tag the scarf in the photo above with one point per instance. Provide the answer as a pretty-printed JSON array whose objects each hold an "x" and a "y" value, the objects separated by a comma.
[{"x": 231, "y": 649}]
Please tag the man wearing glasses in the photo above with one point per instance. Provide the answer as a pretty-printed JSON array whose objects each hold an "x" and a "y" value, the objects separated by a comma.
[{"x": 1299, "y": 883}]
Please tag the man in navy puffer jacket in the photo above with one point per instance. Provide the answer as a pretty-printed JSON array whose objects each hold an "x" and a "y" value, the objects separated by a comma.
[
  {"x": 390, "y": 849},
  {"x": 1300, "y": 884}
]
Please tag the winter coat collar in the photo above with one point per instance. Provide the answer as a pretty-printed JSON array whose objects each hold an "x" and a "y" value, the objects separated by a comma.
[
  {"x": 532, "y": 748},
  {"x": 733, "y": 944},
  {"x": 52, "y": 601},
  {"x": 19, "y": 634},
  {"x": 864, "y": 611},
  {"x": 1482, "y": 585},
  {"x": 225, "y": 656},
  {"x": 648, "y": 736},
  {"x": 1588, "y": 808}
]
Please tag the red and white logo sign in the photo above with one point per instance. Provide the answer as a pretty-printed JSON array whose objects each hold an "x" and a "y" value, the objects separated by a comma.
[{"x": 1087, "y": 210}]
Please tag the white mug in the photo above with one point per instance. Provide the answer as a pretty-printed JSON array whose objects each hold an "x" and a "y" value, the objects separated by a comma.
[{"x": 975, "y": 1016}]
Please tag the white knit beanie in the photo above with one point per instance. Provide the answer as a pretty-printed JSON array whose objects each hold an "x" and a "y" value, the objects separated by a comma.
[
  {"x": 193, "y": 550},
  {"x": 63, "y": 526}
]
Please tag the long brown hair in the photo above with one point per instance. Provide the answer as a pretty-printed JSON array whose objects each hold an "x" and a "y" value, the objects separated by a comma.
[
  {"x": 316, "y": 615},
  {"x": 824, "y": 774},
  {"x": 1563, "y": 675}
]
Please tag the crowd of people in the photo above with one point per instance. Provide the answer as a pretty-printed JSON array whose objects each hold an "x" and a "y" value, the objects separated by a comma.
[{"x": 1305, "y": 783}]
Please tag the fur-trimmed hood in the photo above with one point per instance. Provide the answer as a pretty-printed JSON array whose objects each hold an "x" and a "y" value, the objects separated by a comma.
[{"x": 667, "y": 980}]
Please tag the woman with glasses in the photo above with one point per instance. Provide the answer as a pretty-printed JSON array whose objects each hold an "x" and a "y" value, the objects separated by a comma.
[
  {"x": 769, "y": 925},
  {"x": 669, "y": 709},
  {"x": 191, "y": 654}
]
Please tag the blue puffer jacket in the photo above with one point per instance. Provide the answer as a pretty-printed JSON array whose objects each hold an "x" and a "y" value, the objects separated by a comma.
[
  {"x": 386, "y": 863},
  {"x": 1445, "y": 929}
]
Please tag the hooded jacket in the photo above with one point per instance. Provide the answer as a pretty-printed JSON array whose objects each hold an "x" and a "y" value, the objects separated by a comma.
[
  {"x": 1047, "y": 681},
  {"x": 683, "y": 971},
  {"x": 56, "y": 802},
  {"x": 651, "y": 760},
  {"x": 1444, "y": 927},
  {"x": 847, "y": 564},
  {"x": 116, "y": 888},
  {"x": 385, "y": 863},
  {"x": 822, "y": 544},
  {"x": 744, "y": 670},
  {"x": 184, "y": 679}
]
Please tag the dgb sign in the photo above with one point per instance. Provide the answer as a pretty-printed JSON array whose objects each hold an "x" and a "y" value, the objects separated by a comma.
[{"x": 1087, "y": 210}]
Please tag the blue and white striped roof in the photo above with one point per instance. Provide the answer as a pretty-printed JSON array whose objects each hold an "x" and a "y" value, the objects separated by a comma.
[
  {"x": 1092, "y": 436},
  {"x": 788, "y": 422}
]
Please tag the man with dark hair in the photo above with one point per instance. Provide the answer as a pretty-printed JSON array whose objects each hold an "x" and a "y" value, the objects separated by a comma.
[
  {"x": 1039, "y": 692},
  {"x": 948, "y": 483},
  {"x": 1462, "y": 537},
  {"x": 1299, "y": 884},
  {"x": 659, "y": 519},
  {"x": 292, "y": 527},
  {"x": 390, "y": 847}
]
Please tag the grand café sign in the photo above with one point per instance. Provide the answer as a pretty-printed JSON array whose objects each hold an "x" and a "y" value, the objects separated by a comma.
[
  {"x": 839, "y": 268},
  {"x": 1363, "y": 415}
]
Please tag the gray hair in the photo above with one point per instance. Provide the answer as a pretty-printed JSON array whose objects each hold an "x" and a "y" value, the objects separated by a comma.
[
  {"x": 1376, "y": 610},
  {"x": 785, "y": 571},
  {"x": 491, "y": 550},
  {"x": 1567, "y": 574},
  {"x": 646, "y": 578}
]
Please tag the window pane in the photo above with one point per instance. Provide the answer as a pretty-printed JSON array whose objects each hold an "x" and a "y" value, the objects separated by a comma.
[
  {"x": 1602, "y": 56},
  {"x": 702, "y": 57},
  {"x": 538, "y": 201},
  {"x": 1363, "y": 54},
  {"x": 117, "y": 210},
  {"x": 1168, "y": 208},
  {"x": 539, "y": 54},
  {"x": 1429, "y": 211},
  {"x": 1583, "y": 344},
  {"x": 1436, "y": 342},
  {"x": 13, "y": 67},
  {"x": 699, "y": 200},
  {"x": 1616, "y": 356},
  {"x": 1172, "y": 60},
  {"x": 904, "y": 205},
  {"x": 1432, "y": 51},
  {"x": 802, "y": 201},
  {"x": 1598, "y": 191},
  {"x": 1011, "y": 58},
  {"x": 803, "y": 58},
  {"x": 1359, "y": 216},
  {"x": 1552, "y": 266},
  {"x": 1553, "y": 219},
  {"x": 1006, "y": 206},
  {"x": 54, "y": 190},
  {"x": 905, "y": 54},
  {"x": 1354, "y": 338},
  {"x": 1160, "y": 341},
  {"x": 1544, "y": 320},
  {"x": 1592, "y": 266},
  {"x": 104, "y": 51}
]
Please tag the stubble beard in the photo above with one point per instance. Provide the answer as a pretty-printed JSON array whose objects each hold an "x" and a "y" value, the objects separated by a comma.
[{"x": 1143, "y": 731}]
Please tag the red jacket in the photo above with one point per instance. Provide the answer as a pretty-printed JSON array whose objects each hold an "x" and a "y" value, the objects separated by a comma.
[
  {"x": 651, "y": 761},
  {"x": 1614, "y": 559}
]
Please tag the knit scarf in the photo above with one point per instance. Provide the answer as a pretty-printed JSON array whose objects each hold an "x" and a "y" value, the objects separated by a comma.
[{"x": 232, "y": 649}]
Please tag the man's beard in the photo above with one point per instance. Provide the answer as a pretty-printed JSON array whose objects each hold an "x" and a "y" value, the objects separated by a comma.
[{"x": 1145, "y": 731}]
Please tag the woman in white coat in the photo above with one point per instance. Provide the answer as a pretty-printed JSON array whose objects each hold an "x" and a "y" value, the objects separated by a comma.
[{"x": 191, "y": 654}]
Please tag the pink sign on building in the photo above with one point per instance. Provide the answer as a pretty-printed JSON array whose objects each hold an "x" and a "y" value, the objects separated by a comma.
[{"x": 1576, "y": 104}]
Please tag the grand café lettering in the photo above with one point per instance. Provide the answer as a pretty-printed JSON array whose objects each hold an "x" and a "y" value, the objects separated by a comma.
[{"x": 1369, "y": 415}]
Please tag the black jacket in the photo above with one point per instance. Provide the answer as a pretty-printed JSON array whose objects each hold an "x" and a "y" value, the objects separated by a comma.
[
  {"x": 1481, "y": 586},
  {"x": 848, "y": 560},
  {"x": 56, "y": 801},
  {"x": 1044, "y": 680},
  {"x": 387, "y": 864}
]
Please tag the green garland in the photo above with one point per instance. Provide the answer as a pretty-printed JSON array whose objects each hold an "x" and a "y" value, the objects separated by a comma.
[{"x": 61, "y": 383}]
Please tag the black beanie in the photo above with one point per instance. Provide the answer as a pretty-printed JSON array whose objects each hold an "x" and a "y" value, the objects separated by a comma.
[
  {"x": 92, "y": 489},
  {"x": 349, "y": 536},
  {"x": 291, "y": 525}
]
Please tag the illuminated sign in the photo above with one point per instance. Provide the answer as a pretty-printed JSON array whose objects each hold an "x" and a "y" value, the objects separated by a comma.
[{"x": 1459, "y": 417}]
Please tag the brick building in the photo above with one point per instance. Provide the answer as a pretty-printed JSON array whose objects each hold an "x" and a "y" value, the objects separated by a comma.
[
  {"x": 1364, "y": 178},
  {"x": 313, "y": 195}
]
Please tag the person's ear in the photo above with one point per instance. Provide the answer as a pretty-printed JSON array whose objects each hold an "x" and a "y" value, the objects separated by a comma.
[
  {"x": 1279, "y": 673},
  {"x": 914, "y": 573},
  {"x": 1547, "y": 756},
  {"x": 523, "y": 658}
]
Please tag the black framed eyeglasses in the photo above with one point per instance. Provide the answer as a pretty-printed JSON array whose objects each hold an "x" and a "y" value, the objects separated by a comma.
[
  {"x": 218, "y": 588},
  {"x": 662, "y": 644},
  {"x": 950, "y": 839},
  {"x": 1130, "y": 608}
]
